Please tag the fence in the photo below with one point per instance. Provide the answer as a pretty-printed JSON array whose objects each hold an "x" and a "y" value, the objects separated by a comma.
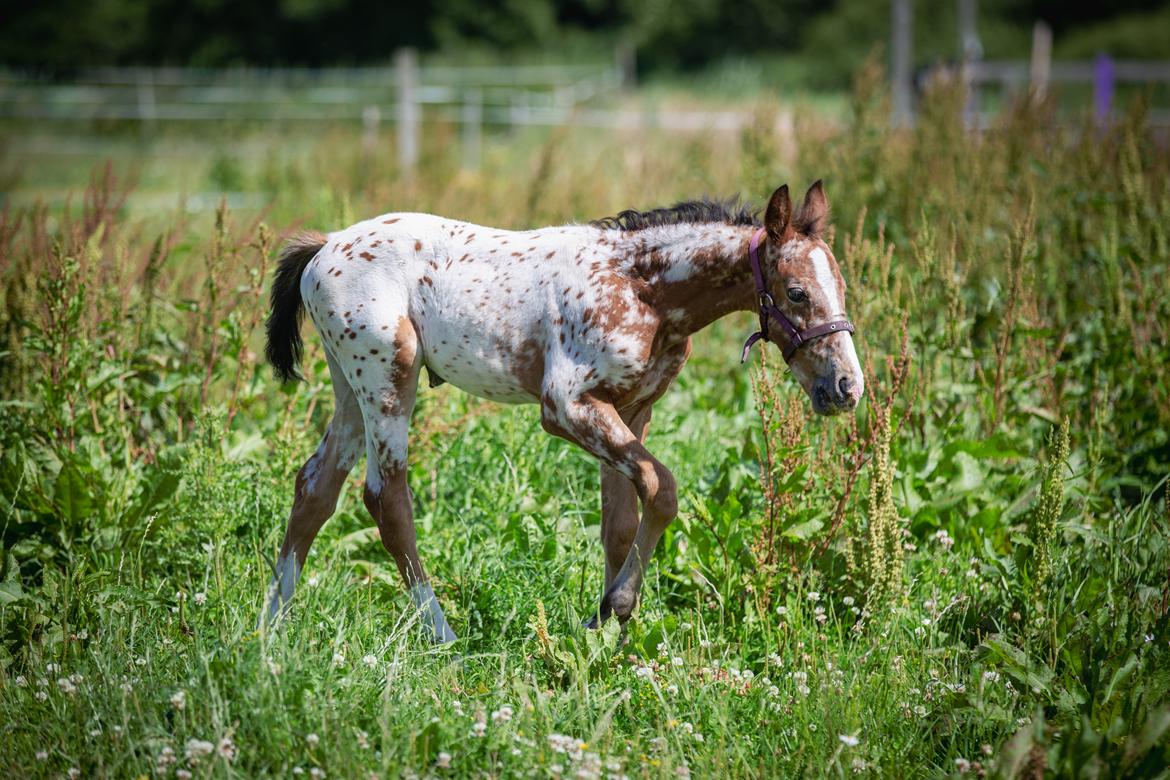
[
  {"x": 1038, "y": 74},
  {"x": 469, "y": 96}
]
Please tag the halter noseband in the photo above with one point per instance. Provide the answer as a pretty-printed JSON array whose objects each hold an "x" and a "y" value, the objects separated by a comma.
[{"x": 769, "y": 311}]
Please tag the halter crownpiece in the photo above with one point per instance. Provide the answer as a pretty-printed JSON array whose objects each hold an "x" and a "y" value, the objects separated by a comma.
[{"x": 769, "y": 311}]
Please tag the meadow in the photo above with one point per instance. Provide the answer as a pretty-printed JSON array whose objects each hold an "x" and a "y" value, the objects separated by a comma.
[{"x": 968, "y": 577}]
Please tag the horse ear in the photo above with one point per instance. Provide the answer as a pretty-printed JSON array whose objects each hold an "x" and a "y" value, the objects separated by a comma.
[
  {"x": 778, "y": 216},
  {"x": 813, "y": 217}
]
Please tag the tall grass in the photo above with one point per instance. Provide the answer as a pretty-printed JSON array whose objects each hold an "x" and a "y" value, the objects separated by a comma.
[{"x": 926, "y": 588}]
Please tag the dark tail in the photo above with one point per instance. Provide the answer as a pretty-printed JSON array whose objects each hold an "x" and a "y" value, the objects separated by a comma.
[{"x": 284, "y": 319}]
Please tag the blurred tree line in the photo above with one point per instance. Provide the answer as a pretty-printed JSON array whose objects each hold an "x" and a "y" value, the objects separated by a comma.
[{"x": 830, "y": 36}]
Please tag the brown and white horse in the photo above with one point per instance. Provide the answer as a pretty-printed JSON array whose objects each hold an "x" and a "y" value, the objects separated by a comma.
[{"x": 592, "y": 322}]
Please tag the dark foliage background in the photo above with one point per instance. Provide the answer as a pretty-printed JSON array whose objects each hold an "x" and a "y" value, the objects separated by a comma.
[{"x": 60, "y": 35}]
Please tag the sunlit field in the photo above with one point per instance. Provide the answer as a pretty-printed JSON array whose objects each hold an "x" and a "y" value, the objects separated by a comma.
[{"x": 970, "y": 576}]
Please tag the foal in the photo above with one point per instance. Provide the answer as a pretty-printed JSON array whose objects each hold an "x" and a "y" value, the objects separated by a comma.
[{"x": 592, "y": 322}]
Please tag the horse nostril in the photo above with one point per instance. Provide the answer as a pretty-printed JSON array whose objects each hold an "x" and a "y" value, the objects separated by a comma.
[{"x": 844, "y": 385}]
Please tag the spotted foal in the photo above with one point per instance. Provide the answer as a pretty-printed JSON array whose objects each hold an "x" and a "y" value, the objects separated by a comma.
[{"x": 592, "y": 322}]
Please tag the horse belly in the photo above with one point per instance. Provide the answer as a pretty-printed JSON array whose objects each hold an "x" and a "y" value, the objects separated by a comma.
[{"x": 479, "y": 363}]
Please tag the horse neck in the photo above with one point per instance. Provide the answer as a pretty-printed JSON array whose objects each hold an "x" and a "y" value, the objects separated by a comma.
[{"x": 695, "y": 273}]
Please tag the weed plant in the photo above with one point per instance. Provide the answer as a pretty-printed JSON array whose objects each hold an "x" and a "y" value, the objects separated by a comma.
[{"x": 969, "y": 576}]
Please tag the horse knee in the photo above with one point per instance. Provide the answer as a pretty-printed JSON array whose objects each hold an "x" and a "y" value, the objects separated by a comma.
[{"x": 660, "y": 493}]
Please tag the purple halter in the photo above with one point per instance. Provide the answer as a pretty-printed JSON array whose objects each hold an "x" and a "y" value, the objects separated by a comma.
[{"x": 768, "y": 311}]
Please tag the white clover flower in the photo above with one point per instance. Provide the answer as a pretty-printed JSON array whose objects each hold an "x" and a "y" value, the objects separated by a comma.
[
  {"x": 313, "y": 581},
  {"x": 20, "y": 681},
  {"x": 698, "y": 737},
  {"x": 561, "y": 743},
  {"x": 457, "y": 706},
  {"x": 814, "y": 595},
  {"x": 42, "y": 755},
  {"x": 74, "y": 772},
  {"x": 226, "y": 749},
  {"x": 179, "y": 700},
  {"x": 848, "y": 740},
  {"x": 140, "y": 661},
  {"x": 443, "y": 760},
  {"x": 52, "y": 668},
  {"x": 773, "y": 690},
  {"x": 370, "y": 661},
  {"x": 66, "y": 685},
  {"x": 991, "y": 676},
  {"x": 317, "y": 773},
  {"x": 803, "y": 690},
  {"x": 363, "y": 740},
  {"x": 672, "y": 689},
  {"x": 313, "y": 740},
  {"x": 197, "y": 749},
  {"x": 775, "y": 659},
  {"x": 683, "y": 771},
  {"x": 677, "y": 661},
  {"x": 200, "y": 599},
  {"x": 479, "y": 728},
  {"x": 502, "y": 715},
  {"x": 166, "y": 758},
  {"x": 183, "y": 774},
  {"x": 338, "y": 659},
  {"x": 858, "y": 765},
  {"x": 847, "y": 601},
  {"x": 963, "y": 765},
  {"x": 781, "y": 610}
]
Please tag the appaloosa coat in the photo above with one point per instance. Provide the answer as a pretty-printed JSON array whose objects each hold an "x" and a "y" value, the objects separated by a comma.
[{"x": 591, "y": 322}]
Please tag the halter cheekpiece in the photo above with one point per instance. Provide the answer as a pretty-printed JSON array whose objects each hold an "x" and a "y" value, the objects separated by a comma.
[{"x": 769, "y": 311}]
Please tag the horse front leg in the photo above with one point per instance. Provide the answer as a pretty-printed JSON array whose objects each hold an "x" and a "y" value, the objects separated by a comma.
[
  {"x": 595, "y": 426},
  {"x": 619, "y": 505}
]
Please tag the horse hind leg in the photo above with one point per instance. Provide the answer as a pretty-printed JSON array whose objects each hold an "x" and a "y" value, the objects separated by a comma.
[
  {"x": 386, "y": 395},
  {"x": 318, "y": 485}
]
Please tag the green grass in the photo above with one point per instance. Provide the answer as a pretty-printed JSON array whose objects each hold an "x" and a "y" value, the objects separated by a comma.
[{"x": 981, "y": 603}]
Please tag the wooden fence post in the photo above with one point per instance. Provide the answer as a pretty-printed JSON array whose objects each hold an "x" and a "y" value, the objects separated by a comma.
[
  {"x": 1041, "y": 69},
  {"x": 472, "y": 116},
  {"x": 970, "y": 53},
  {"x": 371, "y": 117},
  {"x": 902, "y": 67},
  {"x": 406, "y": 65},
  {"x": 147, "y": 110},
  {"x": 626, "y": 65}
]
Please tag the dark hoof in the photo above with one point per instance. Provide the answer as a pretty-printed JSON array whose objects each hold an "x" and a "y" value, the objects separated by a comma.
[
  {"x": 612, "y": 604},
  {"x": 598, "y": 619}
]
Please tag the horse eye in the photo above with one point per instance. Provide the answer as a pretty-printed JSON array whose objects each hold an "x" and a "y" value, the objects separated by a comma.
[{"x": 796, "y": 295}]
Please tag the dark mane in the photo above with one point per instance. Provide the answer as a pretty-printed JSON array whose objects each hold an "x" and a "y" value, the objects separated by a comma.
[{"x": 730, "y": 212}]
